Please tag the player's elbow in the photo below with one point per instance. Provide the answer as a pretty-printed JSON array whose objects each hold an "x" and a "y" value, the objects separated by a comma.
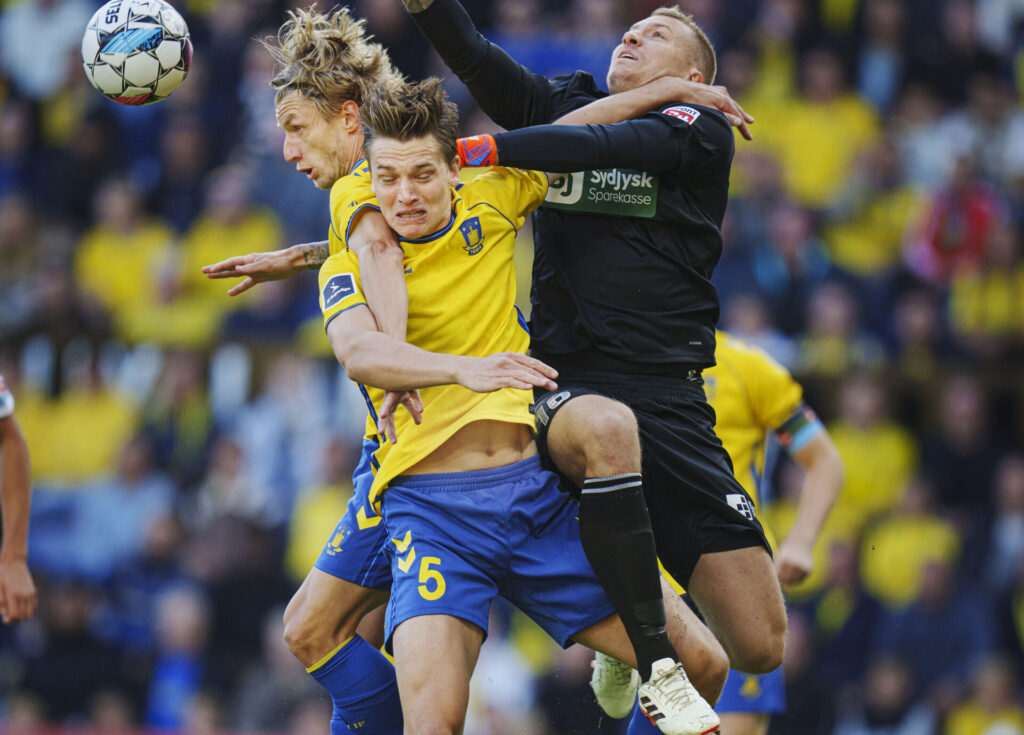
[{"x": 350, "y": 349}]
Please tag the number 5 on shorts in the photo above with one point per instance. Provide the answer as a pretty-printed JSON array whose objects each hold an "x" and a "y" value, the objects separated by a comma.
[{"x": 427, "y": 575}]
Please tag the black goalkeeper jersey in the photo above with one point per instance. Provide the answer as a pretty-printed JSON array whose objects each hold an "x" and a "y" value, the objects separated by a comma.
[{"x": 624, "y": 254}]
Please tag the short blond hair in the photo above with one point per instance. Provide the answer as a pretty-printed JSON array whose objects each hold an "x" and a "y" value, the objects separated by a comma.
[
  {"x": 328, "y": 58},
  {"x": 707, "y": 62},
  {"x": 414, "y": 111}
]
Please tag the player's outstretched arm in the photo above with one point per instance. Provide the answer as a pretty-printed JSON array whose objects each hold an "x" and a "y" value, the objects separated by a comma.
[
  {"x": 507, "y": 92},
  {"x": 17, "y": 592},
  {"x": 272, "y": 265},
  {"x": 823, "y": 478},
  {"x": 662, "y": 91},
  {"x": 377, "y": 359}
]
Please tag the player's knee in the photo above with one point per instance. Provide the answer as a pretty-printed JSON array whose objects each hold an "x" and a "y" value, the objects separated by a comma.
[
  {"x": 307, "y": 637},
  {"x": 709, "y": 673},
  {"x": 762, "y": 653},
  {"x": 612, "y": 445}
]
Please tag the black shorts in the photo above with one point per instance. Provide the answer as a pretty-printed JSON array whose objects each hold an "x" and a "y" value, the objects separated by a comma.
[{"x": 696, "y": 505}]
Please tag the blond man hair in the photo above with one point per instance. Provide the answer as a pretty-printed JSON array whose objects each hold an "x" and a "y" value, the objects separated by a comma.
[
  {"x": 328, "y": 58},
  {"x": 706, "y": 61},
  {"x": 411, "y": 112}
]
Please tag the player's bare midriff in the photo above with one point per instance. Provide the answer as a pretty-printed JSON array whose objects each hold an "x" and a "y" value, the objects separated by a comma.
[{"x": 481, "y": 445}]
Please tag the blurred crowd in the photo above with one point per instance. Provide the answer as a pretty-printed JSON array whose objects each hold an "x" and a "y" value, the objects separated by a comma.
[{"x": 192, "y": 452}]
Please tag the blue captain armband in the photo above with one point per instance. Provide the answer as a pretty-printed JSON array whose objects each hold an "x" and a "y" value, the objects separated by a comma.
[{"x": 799, "y": 429}]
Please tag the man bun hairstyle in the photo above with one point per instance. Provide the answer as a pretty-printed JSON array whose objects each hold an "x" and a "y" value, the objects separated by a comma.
[
  {"x": 328, "y": 58},
  {"x": 706, "y": 61},
  {"x": 412, "y": 111}
]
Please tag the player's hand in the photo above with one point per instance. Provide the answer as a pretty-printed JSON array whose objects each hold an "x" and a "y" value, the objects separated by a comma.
[
  {"x": 717, "y": 97},
  {"x": 392, "y": 400},
  {"x": 505, "y": 370},
  {"x": 793, "y": 562},
  {"x": 17, "y": 592},
  {"x": 273, "y": 265}
]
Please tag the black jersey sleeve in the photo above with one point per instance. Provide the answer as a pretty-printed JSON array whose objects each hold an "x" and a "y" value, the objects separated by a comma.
[
  {"x": 507, "y": 91},
  {"x": 685, "y": 140}
]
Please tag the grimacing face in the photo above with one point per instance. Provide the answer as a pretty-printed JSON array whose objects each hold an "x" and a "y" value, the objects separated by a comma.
[
  {"x": 654, "y": 47},
  {"x": 318, "y": 146},
  {"x": 413, "y": 184}
]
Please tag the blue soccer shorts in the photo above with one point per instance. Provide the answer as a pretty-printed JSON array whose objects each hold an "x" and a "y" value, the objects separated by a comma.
[
  {"x": 458, "y": 539},
  {"x": 763, "y": 694},
  {"x": 355, "y": 551}
]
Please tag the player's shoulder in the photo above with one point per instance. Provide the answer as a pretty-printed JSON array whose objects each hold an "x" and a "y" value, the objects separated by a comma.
[
  {"x": 502, "y": 184},
  {"x": 358, "y": 177},
  {"x": 732, "y": 349},
  {"x": 706, "y": 120},
  {"x": 571, "y": 91},
  {"x": 6, "y": 400}
]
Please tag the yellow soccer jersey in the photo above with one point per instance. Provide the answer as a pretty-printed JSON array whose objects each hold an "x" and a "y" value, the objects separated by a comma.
[
  {"x": 349, "y": 195},
  {"x": 462, "y": 290},
  {"x": 752, "y": 394}
]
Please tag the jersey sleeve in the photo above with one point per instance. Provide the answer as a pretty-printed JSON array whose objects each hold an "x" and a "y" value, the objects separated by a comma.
[
  {"x": 778, "y": 402},
  {"x": 339, "y": 285},
  {"x": 350, "y": 195},
  {"x": 677, "y": 139},
  {"x": 6, "y": 400},
  {"x": 514, "y": 192}
]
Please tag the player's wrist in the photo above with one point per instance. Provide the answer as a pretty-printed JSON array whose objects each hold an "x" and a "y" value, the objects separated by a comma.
[{"x": 477, "y": 150}]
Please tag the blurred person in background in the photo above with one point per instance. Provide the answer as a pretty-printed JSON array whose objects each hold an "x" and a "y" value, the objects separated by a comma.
[
  {"x": 789, "y": 266},
  {"x": 142, "y": 248},
  {"x": 880, "y": 65},
  {"x": 992, "y": 703},
  {"x": 961, "y": 451},
  {"x": 943, "y": 634},
  {"x": 17, "y": 591},
  {"x": 747, "y": 316},
  {"x": 183, "y": 620},
  {"x": 896, "y": 549},
  {"x": 36, "y": 38},
  {"x": 818, "y": 134},
  {"x": 867, "y": 224},
  {"x": 879, "y": 454},
  {"x": 1005, "y": 534},
  {"x": 810, "y": 708},
  {"x": 986, "y": 305},
  {"x": 888, "y": 704},
  {"x": 955, "y": 226},
  {"x": 836, "y": 342},
  {"x": 844, "y": 617}
]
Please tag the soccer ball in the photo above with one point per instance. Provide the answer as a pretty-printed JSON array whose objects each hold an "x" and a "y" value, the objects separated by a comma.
[{"x": 136, "y": 52}]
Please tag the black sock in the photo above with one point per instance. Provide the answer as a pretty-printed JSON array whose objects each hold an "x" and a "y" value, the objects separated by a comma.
[{"x": 615, "y": 529}]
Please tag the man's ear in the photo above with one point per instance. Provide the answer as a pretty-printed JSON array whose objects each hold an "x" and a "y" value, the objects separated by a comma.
[
  {"x": 455, "y": 168},
  {"x": 695, "y": 76},
  {"x": 351, "y": 120}
]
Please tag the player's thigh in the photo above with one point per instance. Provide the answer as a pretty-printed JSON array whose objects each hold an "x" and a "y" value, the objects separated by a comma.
[
  {"x": 324, "y": 612},
  {"x": 739, "y": 596},
  {"x": 371, "y": 627},
  {"x": 592, "y": 436},
  {"x": 744, "y": 723},
  {"x": 434, "y": 660},
  {"x": 700, "y": 653}
]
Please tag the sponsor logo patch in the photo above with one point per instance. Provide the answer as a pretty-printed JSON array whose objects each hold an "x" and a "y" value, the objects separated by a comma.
[
  {"x": 614, "y": 191},
  {"x": 686, "y": 114},
  {"x": 337, "y": 288},
  {"x": 740, "y": 504}
]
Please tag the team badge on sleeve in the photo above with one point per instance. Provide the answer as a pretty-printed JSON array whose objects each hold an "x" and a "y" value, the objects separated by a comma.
[
  {"x": 337, "y": 288},
  {"x": 686, "y": 114}
]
